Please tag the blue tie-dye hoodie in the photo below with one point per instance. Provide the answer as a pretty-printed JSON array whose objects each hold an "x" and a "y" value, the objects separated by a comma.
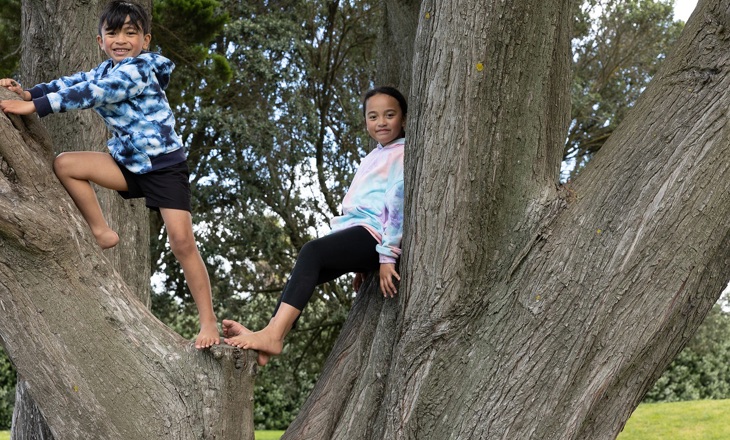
[
  {"x": 130, "y": 97},
  {"x": 375, "y": 199}
]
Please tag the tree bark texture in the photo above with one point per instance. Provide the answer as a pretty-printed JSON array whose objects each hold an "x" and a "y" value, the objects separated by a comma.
[
  {"x": 95, "y": 360},
  {"x": 531, "y": 310}
]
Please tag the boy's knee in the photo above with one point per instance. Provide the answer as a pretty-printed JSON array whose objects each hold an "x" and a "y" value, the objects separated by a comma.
[
  {"x": 61, "y": 163},
  {"x": 182, "y": 244}
]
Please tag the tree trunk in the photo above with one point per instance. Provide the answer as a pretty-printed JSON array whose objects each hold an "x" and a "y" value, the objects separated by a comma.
[
  {"x": 44, "y": 59},
  {"x": 94, "y": 358},
  {"x": 529, "y": 310}
]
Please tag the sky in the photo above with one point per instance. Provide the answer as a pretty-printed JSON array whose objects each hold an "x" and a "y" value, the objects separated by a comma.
[{"x": 683, "y": 9}]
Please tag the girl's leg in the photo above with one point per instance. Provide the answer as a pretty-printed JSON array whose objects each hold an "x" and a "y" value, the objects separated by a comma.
[
  {"x": 76, "y": 170},
  {"x": 319, "y": 261},
  {"x": 182, "y": 242}
]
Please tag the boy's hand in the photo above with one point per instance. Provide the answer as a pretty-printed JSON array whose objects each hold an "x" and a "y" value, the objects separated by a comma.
[
  {"x": 15, "y": 87},
  {"x": 387, "y": 273},
  {"x": 17, "y": 107}
]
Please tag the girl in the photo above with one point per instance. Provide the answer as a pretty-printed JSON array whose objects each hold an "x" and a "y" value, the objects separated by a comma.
[{"x": 364, "y": 238}]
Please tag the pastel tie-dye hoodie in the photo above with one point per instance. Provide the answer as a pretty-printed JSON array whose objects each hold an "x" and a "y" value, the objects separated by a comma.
[
  {"x": 375, "y": 199},
  {"x": 130, "y": 97}
]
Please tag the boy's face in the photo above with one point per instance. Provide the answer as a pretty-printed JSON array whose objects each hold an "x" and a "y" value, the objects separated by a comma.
[{"x": 118, "y": 44}]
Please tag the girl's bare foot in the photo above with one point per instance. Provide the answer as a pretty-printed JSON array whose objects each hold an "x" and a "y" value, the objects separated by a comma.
[
  {"x": 233, "y": 329},
  {"x": 106, "y": 238},
  {"x": 208, "y": 336}
]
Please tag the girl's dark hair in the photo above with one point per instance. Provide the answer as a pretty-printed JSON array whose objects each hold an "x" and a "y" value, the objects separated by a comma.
[
  {"x": 116, "y": 11},
  {"x": 386, "y": 90}
]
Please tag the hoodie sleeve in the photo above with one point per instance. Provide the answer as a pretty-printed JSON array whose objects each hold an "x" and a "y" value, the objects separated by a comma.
[
  {"x": 127, "y": 79},
  {"x": 390, "y": 249}
]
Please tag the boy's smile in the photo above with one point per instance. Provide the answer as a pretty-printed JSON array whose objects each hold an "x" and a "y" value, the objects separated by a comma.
[{"x": 118, "y": 44}]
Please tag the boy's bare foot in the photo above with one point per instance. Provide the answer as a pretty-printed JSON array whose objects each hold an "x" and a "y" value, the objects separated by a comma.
[
  {"x": 208, "y": 336},
  {"x": 233, "y": 329},
  {"x": 106, "y": 238}
]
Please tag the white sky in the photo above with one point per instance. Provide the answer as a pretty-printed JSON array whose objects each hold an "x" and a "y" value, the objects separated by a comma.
[{"x": 683, "y": 9}]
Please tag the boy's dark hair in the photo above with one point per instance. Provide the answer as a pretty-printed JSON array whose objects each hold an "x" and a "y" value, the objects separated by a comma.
[
  {"x": 115, "y": 14},
  {"x": 390, "y": 91}
]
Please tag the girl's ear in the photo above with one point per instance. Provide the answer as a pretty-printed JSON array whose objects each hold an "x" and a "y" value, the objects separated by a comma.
[
  {"x": 100, "y": 41},
  {"x": 147, "y": 39}
]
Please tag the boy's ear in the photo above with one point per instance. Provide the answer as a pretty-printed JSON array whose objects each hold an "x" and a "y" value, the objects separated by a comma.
[
  {"x": 100, "y": 41},
  {"x": 147, "y": 39}
]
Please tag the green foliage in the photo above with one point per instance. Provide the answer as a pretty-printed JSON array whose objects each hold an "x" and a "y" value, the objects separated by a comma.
[
  {"x": 702, "y": 369},
  {"x": 272, "y": 150},
  {"x": 9, "y": 38},
  {"x": 7, "y": 390},
  {"x": 618, "y": 46}
]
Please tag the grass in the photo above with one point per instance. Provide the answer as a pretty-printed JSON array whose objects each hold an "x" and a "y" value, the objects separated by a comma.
[
  {"x": 697, "y": 420},
  {"x": 263, "y": 435}
]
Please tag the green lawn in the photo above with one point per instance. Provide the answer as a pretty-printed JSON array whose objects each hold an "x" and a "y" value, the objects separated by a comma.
[{"x": 698, "y": 420}]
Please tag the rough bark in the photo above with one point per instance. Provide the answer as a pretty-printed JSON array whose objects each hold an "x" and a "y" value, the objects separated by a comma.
[
  {"x": 530, "y": 310},
  {"x": 94, "y": 358}
]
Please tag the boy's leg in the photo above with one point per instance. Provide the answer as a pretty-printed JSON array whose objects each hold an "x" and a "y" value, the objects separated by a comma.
[
  {"x": 75, "y": 170},
  {"x": 182, "y": 242}
]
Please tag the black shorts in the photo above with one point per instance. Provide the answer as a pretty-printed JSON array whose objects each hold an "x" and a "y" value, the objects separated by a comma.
[{"x": 164, "y": 188}]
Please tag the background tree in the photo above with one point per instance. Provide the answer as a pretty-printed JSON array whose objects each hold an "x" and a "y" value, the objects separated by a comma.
[
  {"x": 9, "y": 37},
  {"x": 273, "y": 148},
  {"x": 618, "y": 47}
]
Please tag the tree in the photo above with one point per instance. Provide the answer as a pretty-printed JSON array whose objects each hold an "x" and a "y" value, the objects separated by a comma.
[
  {"x": 133, "y": 377},
  {"x": 511, "y": 322},
  {"x": 617, "y": 48},
  {"x": 532, "y": 310}
]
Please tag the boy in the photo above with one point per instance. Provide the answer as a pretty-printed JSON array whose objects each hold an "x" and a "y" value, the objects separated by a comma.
[{"x": 147, "y": 158}]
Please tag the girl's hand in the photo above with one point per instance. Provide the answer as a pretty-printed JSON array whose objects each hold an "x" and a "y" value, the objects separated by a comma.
[
  {"x": 17, "y": 107},
  {"x": 387, "y": 273},
  {"x": 15, "y": 87},
  {"x": 357, "y": 282}
]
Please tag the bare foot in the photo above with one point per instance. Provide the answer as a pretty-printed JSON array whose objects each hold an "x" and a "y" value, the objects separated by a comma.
[
  {"x": 233, "y": 329},
  {"x": 106, "y": 238},
  {"x": 207, "y": 337}
]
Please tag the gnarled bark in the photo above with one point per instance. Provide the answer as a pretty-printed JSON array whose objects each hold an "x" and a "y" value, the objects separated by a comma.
[
  {"x": 95, "y": 360},
  {"x": 531, "y": 310}
]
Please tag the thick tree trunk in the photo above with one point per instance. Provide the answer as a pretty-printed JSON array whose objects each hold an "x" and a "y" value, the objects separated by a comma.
[
  {"x": 44, "y": 59},
  {"x": 529, "y": 310},
  {"x": 94, "y": 358}
]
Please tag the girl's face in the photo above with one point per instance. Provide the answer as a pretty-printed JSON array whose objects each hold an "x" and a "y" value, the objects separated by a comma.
[
  {"x": 118, "y": 44},
  {"x": 384, "y": 118}
]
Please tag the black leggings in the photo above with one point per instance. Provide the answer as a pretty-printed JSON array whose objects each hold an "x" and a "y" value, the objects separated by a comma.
[{"x": 327, "y": 258}]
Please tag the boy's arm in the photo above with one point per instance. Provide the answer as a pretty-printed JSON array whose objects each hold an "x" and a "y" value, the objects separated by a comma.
[
  {"x": 124, "y": 82},
  {"x": 59, "y": 84}
]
